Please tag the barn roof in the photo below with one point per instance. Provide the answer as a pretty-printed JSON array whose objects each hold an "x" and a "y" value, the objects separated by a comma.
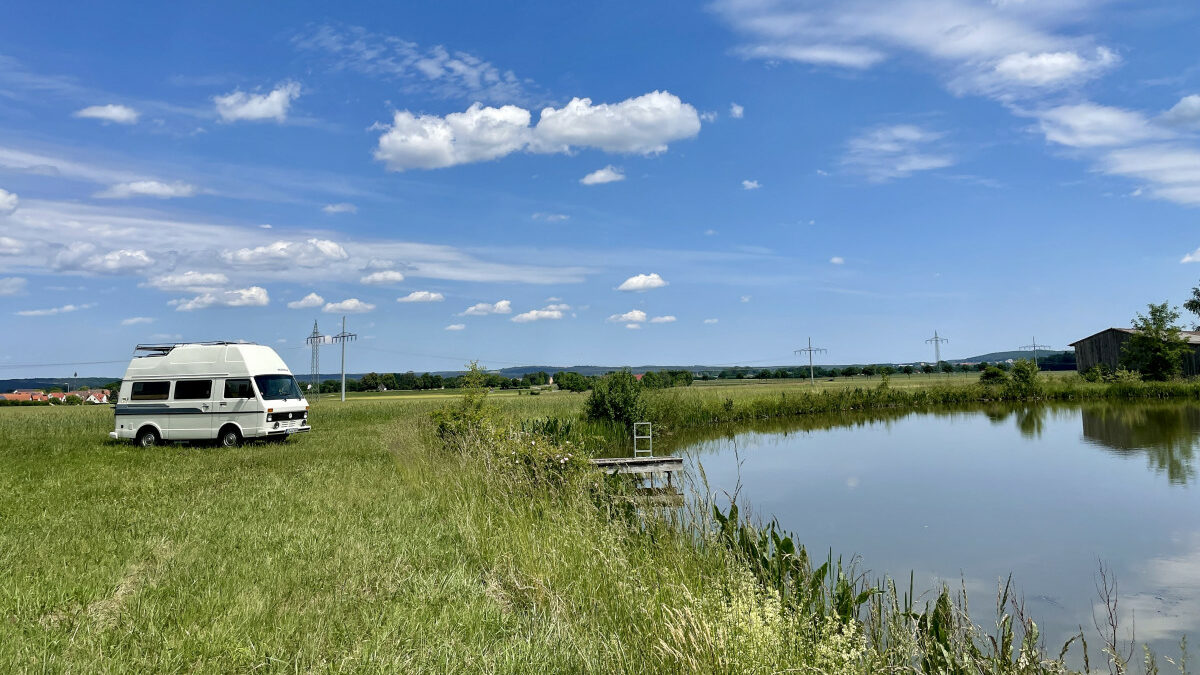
[{"x": 1191, "y": 336}]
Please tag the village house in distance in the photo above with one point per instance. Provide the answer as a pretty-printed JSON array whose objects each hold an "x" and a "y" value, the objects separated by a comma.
[{"x": 94, "y": 396}]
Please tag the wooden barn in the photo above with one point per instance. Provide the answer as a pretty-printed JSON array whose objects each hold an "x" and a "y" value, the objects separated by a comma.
[{"x": 1104, "y": 348}]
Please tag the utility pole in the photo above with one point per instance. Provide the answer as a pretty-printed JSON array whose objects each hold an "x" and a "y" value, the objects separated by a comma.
[
  {"x": 810, "y": 350},
  {"x": 937, "y": 341},
  {"x": 1034, "y": 347},
  {"x": 344, "y": 337},
  {"x": 315, "y": 340}
]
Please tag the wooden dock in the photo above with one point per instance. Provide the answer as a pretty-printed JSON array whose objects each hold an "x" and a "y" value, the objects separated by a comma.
[{"x": 643, "y": 467}]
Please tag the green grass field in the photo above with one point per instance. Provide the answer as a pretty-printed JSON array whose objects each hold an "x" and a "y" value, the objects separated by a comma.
[{"x": 367, "y": 546}]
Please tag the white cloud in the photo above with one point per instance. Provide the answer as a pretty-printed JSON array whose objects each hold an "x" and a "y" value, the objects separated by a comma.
[
  {"x": 538, "y": 315},
  {"x": 551, "y": 217},
  {"x": 112, "y": 112},
  {"x": 8, "y": 201},
  {"x": 663, "y": 319},
  {"x": 633, "y": 326},
  {"x": 711, "y": 321},
  {"x": 837, "y": 260},
  {"x": 65, "y": 309},
  {"x": 479, "y": 134},
  {"x": 12, "y": 285},
  {"x": 1184, "y": 113},
  {"x": 422, "y": 296},
  {"x": 1173, "y": 171},
  {"x": 736, "y": 111},
  {"x": 456, "y": 326},
  {"x": 1052, "y": 68},
  {"x": 310, "y": 253},
  {"x": 148, "y": 188},
  {"x": 708, "y": 116},
  {"x": 307, "y": 302},
  {"x": 342, "y": 207},
  {"x": 608, "y": 174},
  {"x": 1088, "y": 125},
  {"x": 383, "y": 277},
  {"x": 750, "y": 185},
  {"x": 348, "y": 306},
  {"x": 642, "y": 125},
  {"x": 896, "y": 151},
  {"x": 632, "y": 316},
  {"x": 254, "y": 296},
  {"x": 1192, "y": 257},
  {"x": 119, "y": 262},
  {"x": 239, "y": 105},
  {"x": 559, "y": 306},
  {"x": 191, "y": 281},
  {"x": 642, "y": 282},
  {"x": 1000, "y": 49},
  {"x": 483, "y": 308},
  {"x": 745, "y": 298},
  {"x": 135, "y": 320},
  {"x": 435, "y": 70}
]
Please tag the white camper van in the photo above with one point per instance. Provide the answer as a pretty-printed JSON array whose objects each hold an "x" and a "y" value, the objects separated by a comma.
[{"x": 204, "y": 391}]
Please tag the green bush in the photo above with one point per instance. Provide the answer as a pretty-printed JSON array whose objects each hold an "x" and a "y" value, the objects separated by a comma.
[
  {"x": 993, "y": 375},
  {"x": 1023, "y": 380},
  {"x": 616, "y": 398}
]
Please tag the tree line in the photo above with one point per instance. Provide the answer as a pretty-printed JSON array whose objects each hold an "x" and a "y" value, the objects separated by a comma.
[{"x": 566, "y": 380}]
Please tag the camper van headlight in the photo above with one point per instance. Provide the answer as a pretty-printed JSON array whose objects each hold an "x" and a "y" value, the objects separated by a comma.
[{"x": 305, "y": 415}]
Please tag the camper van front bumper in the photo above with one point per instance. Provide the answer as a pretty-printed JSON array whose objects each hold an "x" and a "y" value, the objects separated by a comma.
[
  {"x": 112, "y": 435},
  {"x": 284, "y": 431}
]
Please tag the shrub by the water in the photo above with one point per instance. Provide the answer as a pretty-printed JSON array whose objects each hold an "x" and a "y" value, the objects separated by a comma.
[
  {"x": 993, "y": 375},
  {"x": 616, "y": 398}
]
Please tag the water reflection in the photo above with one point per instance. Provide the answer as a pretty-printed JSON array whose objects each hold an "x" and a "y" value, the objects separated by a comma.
[{"x": 1166, "y": 433}]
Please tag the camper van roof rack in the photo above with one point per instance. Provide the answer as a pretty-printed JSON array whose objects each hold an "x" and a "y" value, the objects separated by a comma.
[{"x": 165, "y": 348}]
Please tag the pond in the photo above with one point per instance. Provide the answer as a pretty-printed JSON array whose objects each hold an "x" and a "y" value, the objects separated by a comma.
[{"x": 966, "y": 497}]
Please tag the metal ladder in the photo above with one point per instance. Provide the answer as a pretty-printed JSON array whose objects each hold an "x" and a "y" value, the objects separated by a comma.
[{"x": 648, "y": 437}]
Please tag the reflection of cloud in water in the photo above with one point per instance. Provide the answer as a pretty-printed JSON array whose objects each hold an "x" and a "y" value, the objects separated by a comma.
[
  {"x": 1170, "y": 605},
  {"x": 1167, "y": 434}
]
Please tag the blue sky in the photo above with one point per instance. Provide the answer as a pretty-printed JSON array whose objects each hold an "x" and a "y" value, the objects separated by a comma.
[{"x": 630, "y": 183}]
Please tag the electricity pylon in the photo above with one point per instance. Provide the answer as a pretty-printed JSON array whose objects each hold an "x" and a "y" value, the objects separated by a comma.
[
  {"x": 315, "y": 341},
  {"x": 344, "y": 337},
  {"x": 810, "y": 350},
  {"x": 1034, "y": 347},
  {"x": 937, "y": 341}
]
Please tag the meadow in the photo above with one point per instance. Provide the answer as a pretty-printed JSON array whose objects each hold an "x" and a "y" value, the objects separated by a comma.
[{"x": 372, "y": 545}]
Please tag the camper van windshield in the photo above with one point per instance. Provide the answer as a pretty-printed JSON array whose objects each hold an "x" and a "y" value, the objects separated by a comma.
[{"x": 277, "y": 387}]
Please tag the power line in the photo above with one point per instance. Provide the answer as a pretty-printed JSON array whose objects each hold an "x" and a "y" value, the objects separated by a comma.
[
  {"x": 344, "y": 337},
  {"x": 1034, "y": 347},
  {"x": 315, "y": 340},
  {"x": 810, "y": 350},
  {"x": 937, "y": 341}
]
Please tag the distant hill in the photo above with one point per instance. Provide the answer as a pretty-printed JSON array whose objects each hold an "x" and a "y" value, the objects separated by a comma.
[
  {"x": 60, "y": 382},
  {"x": 993, "y": 357}
]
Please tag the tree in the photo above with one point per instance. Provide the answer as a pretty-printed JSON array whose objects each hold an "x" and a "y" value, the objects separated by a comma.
[
  {"x": 993, "y": 375},
  {"x": 887, "y": 371},
  {"x": 927, "y": 369},
  {"x": 946, "y": 367},
  {"x": 370, "y": 382},
  {"x": 908, "y": 370},
  {"x": 868, "y": 370},
  {"x": 1193, "y": 304},
  {"x": 1156, "y": 349},
  {"x": 616, "y": 397},
  {"x": 388, "y": 380},
  {"x": 850, "y": 371}
]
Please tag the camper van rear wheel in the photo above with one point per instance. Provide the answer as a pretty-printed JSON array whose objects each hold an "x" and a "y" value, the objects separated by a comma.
[
  {"x": 230, "y": 438},
  {"x": 147, "y": 437}
]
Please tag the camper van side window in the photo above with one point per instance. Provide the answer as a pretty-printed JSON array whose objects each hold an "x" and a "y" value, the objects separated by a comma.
[
  {"x": 238, "y": 389},
  {"x": 150, "y": 391},
  {"x": 192, "y": 389}
]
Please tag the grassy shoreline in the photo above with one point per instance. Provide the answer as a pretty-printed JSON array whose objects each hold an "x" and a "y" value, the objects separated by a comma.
[{"x": 370, "y": 546}]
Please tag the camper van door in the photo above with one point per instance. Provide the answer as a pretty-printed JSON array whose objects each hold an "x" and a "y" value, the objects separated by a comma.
[
  {"x": 240, "y": 406},
  {"x": 191, "y": 417}
]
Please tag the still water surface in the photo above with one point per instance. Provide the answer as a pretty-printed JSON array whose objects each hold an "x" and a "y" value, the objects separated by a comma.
[{"x": 969, "y": 496}]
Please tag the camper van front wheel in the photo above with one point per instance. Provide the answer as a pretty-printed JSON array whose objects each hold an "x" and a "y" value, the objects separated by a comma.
[
  {"x": 147, "y": 437},
  {"x": 230, "y": 438}
]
